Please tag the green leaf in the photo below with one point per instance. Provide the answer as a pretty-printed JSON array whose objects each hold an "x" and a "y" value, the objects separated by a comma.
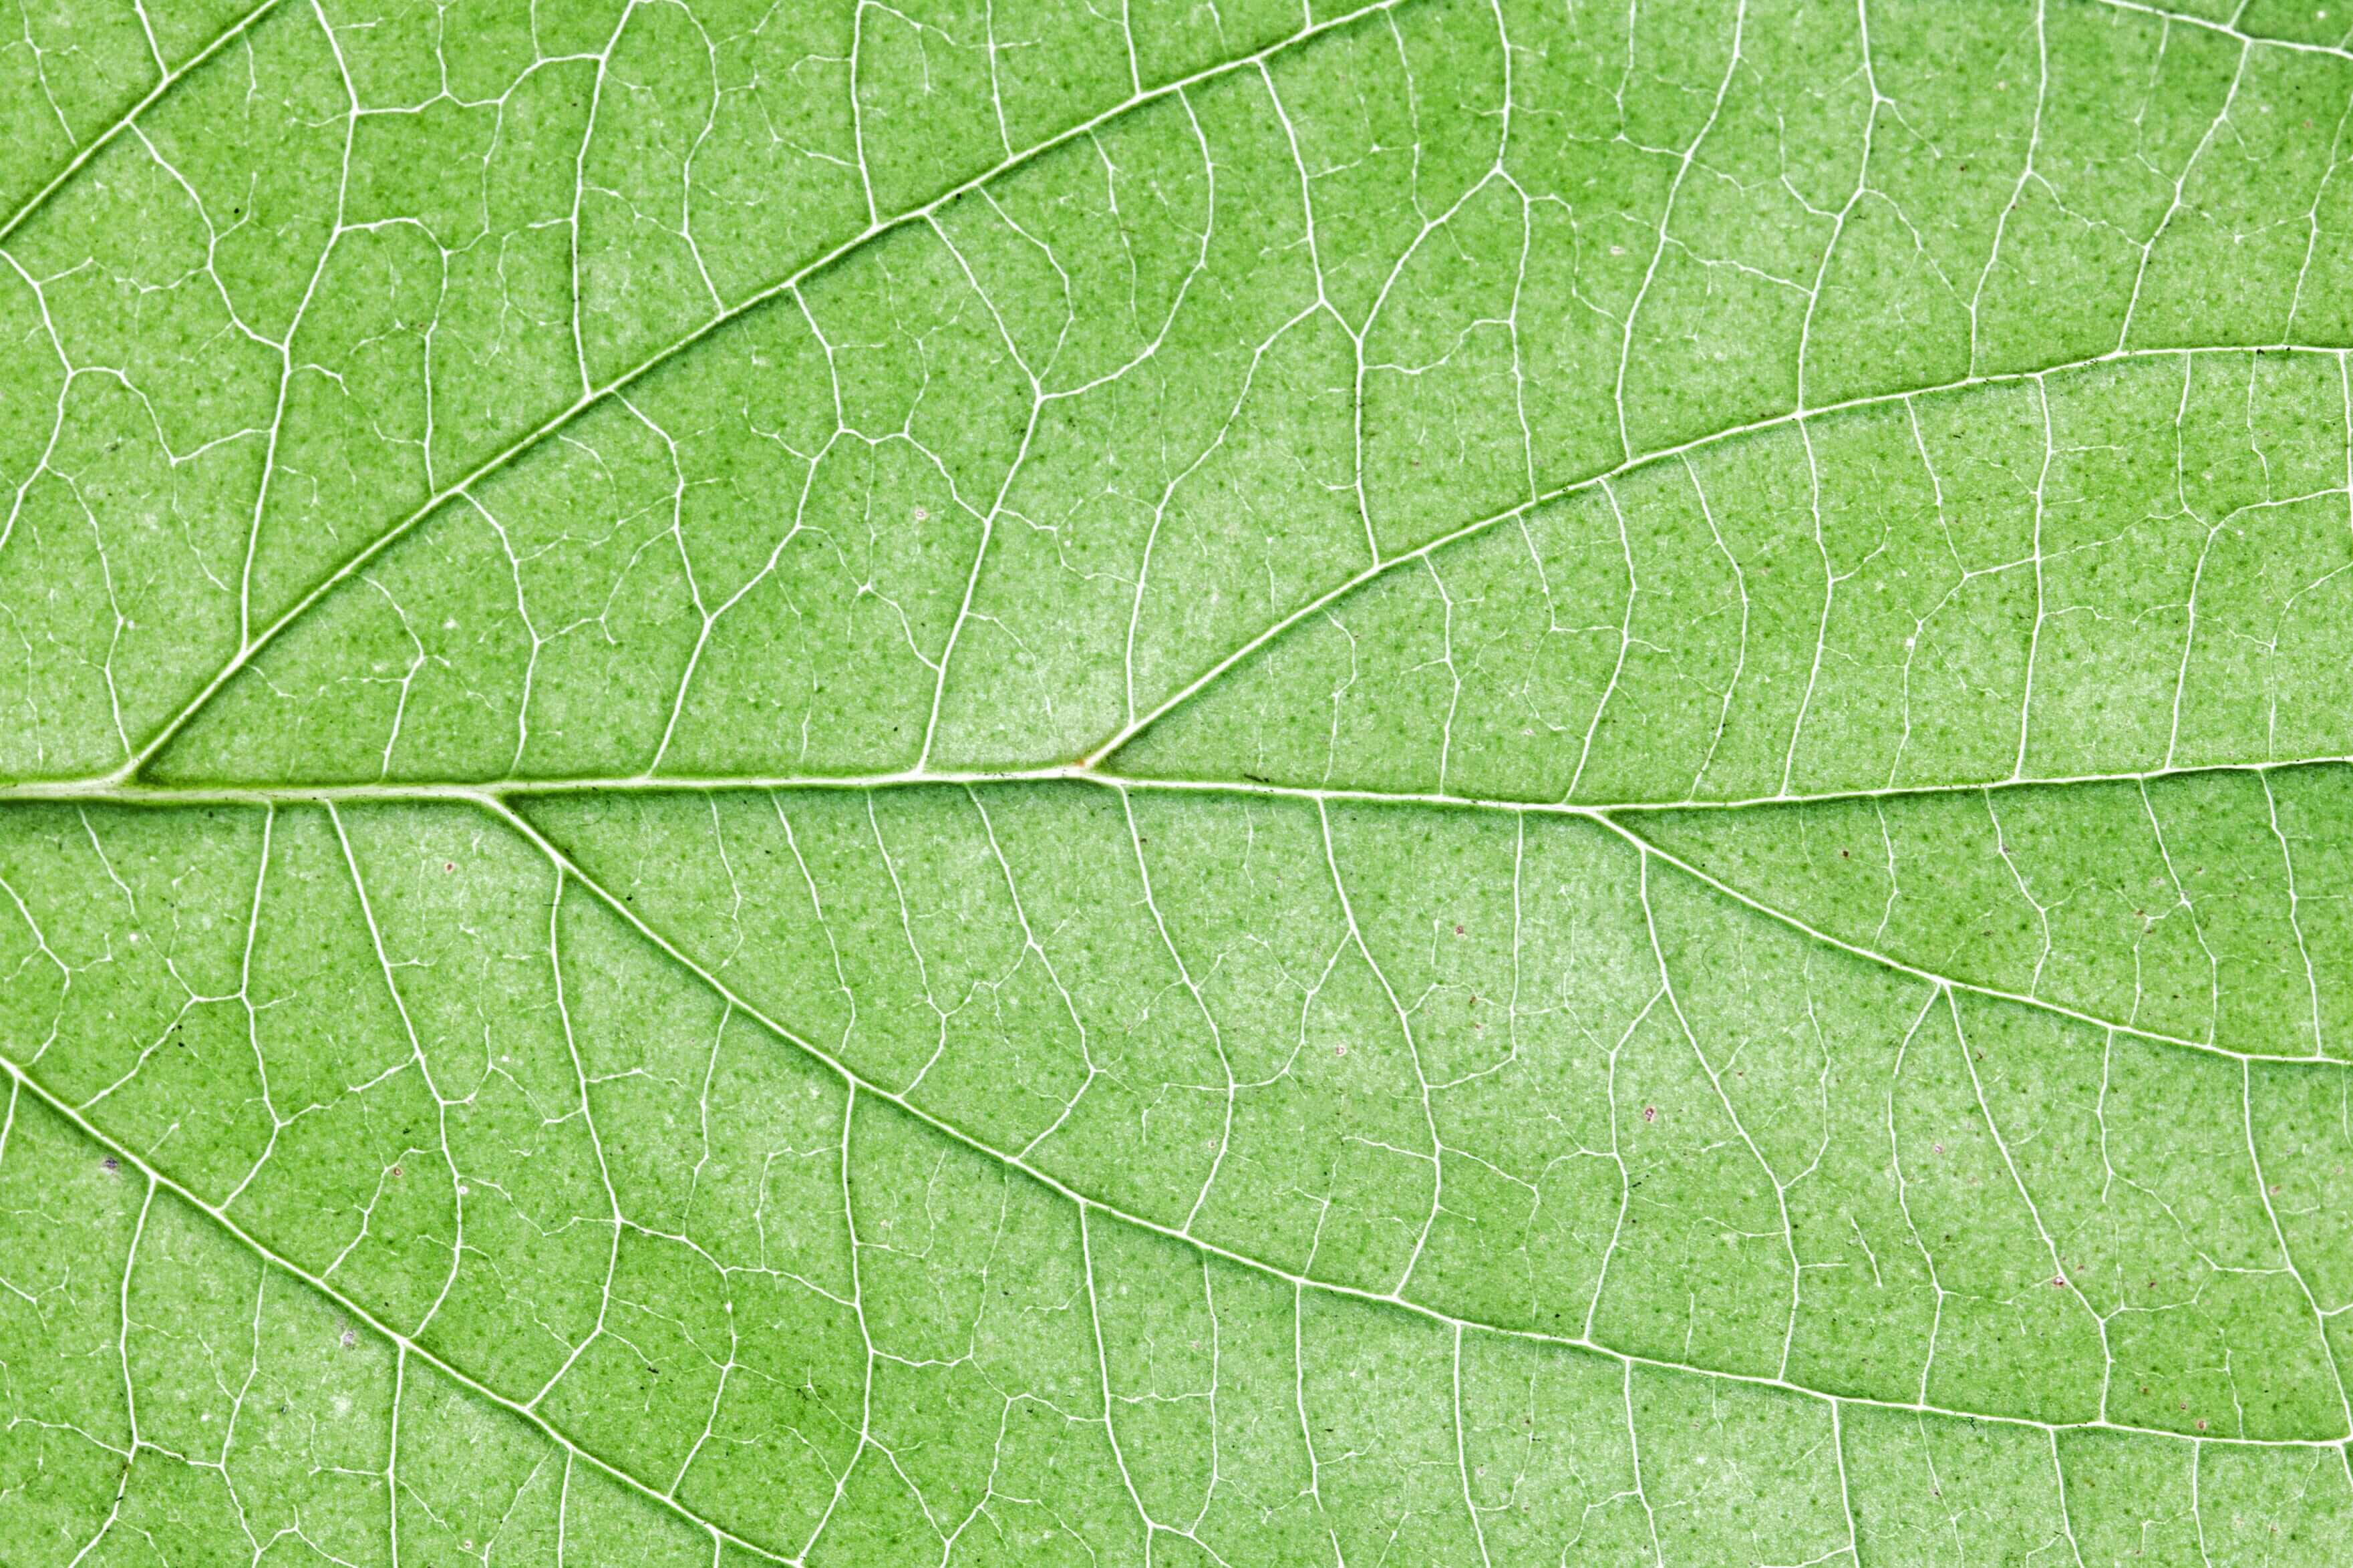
[{"x": 1015, "y": 783}]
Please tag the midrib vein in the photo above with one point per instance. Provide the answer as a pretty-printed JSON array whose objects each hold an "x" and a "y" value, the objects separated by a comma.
[
  {"x": 108, "y": 790},
  {"x": 500, "y": 799}
]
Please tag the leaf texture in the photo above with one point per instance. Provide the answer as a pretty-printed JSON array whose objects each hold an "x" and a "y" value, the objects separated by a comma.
[{"x": 1458, "y": 783}]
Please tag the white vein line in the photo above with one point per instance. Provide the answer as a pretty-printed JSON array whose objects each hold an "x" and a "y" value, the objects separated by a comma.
[{"x": 106, "y": 791}]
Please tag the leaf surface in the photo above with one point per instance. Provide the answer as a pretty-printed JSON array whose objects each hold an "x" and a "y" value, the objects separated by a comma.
[{"x": 1445, "y": 783}]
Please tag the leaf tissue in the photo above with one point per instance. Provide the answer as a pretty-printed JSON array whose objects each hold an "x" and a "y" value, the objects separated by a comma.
[{"x": 1130, "y": 782}]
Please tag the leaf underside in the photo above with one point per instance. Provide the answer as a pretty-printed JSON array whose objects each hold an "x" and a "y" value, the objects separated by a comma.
[{"x": 1460, "y": 783}]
